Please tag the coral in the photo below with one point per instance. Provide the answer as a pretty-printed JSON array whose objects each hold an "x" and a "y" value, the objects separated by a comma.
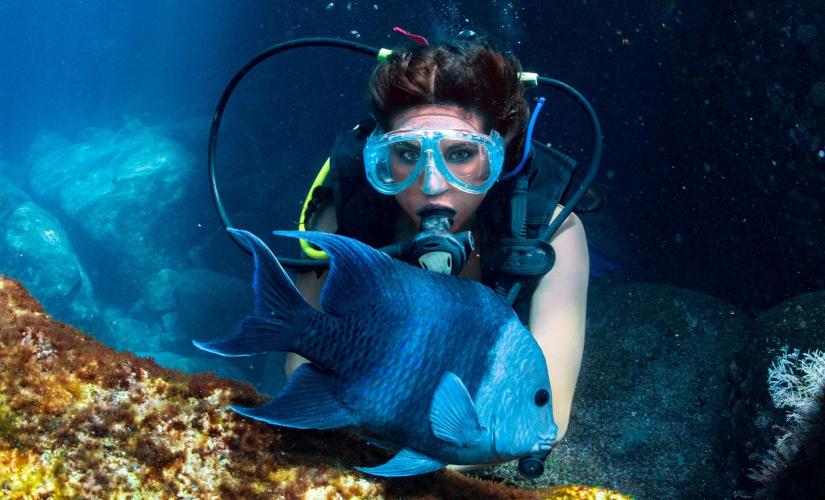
[
  {"x": 792, "y": 469},
  {"x": 794, "y": 381},
  {"x": 78, "y": 419}
]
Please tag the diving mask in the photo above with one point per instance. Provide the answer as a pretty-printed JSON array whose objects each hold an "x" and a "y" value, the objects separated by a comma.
[{"x": 470, "y": 161}]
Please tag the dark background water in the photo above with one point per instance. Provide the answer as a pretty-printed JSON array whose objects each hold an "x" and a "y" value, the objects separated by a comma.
[{"x": 695, "y": 196}]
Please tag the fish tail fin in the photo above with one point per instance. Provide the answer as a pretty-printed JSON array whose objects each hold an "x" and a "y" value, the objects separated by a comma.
[{"x": 279, "y": 311}]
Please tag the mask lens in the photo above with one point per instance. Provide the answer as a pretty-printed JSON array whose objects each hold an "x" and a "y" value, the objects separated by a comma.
[
  {"x": 467, "y": 161},
  {"x": 391, "y": 164},
  {"x": 403, "y": 158}
]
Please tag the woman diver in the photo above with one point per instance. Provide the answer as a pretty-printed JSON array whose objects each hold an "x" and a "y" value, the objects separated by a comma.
[{"x": 449, "y": 126}]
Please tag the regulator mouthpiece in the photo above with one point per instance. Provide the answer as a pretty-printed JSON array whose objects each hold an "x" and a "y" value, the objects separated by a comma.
[{"x": 436, "y": 248}]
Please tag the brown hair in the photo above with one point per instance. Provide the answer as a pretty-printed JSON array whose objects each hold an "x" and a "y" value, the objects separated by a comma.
[{"x": 470, "y": 75}]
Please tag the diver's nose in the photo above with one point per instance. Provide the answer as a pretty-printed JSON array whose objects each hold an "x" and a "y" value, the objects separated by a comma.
[{"x": 434, "y": 183}]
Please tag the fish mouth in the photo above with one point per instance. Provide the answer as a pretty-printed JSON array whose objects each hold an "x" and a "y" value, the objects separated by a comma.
[{"x": 544, "y": 445}]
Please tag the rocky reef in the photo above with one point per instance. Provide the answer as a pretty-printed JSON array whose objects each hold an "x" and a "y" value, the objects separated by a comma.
[{"x": 78, "y": 419}]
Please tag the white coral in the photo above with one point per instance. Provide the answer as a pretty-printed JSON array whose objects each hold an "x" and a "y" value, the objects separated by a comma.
[{"x": 794, "y": 381}]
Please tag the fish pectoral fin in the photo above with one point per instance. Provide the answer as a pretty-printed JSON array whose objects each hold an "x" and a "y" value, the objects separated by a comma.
[
  {"x": 453, "y": 415},
  {"x": 305, "y": 403},
  {"x": 406, "y": 462}
]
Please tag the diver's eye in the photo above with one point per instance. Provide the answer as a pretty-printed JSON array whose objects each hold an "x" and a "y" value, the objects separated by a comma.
[
  {"x": 407, "y": 151},
  {"x": 542, "y": 397},
  {"x": 460, "y": 155},
  {"x": 410, "y": 156}
]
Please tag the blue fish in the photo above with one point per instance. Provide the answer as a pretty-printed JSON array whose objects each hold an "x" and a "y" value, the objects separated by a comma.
[{"x": 438, "y": 367}]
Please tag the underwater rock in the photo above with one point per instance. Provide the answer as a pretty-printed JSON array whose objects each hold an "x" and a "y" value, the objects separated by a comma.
[
  {"x": 78, "y": 419},
  {"x": 12, "y": 197},
  {"x": 35, "y": 249},
  {"x": 209, "y": 303},
  {"x": 126, "y": 190},
  {"x": 798, "y": 322},
  {"x": 151, "y": 338},
  {"x": 651, "y": 413},
  {"x": 213, "y": 304},
  {"x": 158, "y": 296},
  {"x": 130, "y": 334}
]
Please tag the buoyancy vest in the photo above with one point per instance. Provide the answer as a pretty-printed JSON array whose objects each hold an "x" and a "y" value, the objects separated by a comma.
[{"x": 509, "y": 219}]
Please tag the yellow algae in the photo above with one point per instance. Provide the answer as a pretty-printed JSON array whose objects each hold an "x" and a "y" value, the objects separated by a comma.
[
  {"x": 286, "y": 475},
  {"x": 352, "y": 487},
  {"x": 577, "y": 492},
  {"x": 101, "y": 423},
  {"x": 8, "y": 419},
  {"x": 11, "y": 304},
  {"x": 23, "y": 475}
]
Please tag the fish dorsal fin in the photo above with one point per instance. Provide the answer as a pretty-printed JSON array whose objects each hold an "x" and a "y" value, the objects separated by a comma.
[
  {"x": 406, "y": 462},
  {"x": 357, "y": 272},
  {"x": 305, "y": 403},
  {"x": 453, "y": 415}
]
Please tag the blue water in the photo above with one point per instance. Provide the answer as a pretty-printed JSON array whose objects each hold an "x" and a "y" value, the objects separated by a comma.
[
  {"x": 100, "y": 83},
  {"x": 92, "y": 83},
  {"x": 713, "y": 163}
]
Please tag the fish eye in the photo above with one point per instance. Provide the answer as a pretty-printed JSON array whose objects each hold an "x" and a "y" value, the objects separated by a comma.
[{"x": 542, "y": 397}]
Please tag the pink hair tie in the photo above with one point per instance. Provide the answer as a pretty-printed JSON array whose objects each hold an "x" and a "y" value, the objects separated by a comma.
[{"x": 420, "y": 40}]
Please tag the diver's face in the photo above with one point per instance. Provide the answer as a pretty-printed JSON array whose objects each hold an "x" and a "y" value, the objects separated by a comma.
[{"x": 432, "y": 189}]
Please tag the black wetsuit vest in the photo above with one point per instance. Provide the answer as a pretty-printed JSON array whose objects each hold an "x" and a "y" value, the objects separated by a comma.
[{"x": 509, "y": 219}]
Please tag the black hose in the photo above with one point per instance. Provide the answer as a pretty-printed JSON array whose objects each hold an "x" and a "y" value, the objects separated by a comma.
[
  {"x": 216, "y": 124},
  {"x": 547, "y": 233}
]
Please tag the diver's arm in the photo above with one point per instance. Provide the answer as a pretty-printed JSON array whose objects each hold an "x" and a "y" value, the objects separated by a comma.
[
  {"x": 309, "y": 283},
  {"x": 557, "y": 315},
  {"x": 557, "y": 320}
]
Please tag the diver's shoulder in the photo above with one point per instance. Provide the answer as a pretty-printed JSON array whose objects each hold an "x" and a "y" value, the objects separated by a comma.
[{"x": 572, "y": 222}]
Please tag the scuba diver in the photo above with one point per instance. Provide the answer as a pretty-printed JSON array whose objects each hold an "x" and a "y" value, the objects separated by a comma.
[
  {"x": 444, "y": 174},
  {"x": 449, "y": 119}
]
